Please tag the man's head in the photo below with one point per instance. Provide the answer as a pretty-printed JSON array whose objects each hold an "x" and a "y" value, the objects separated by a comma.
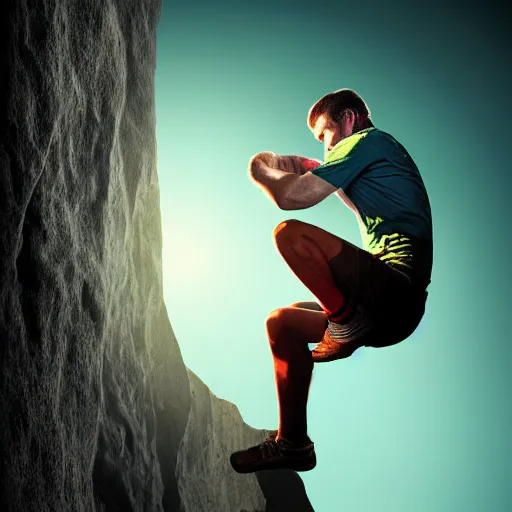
[{"x": 338, "y": 115}]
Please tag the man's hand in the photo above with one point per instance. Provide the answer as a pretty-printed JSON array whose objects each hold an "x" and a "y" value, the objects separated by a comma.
[
  {"x": 260, "y": 161},
  {"x": 287, "y": 180},
  {"x": 289, "y": 163},
  {"x": 298, "y": 164}
]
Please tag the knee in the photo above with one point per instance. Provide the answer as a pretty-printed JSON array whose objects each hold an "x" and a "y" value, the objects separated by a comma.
[
  {"x": 288, "y": 229},
  {"x": 289, "y": 235},
  {"x": 276, "y": 325}
]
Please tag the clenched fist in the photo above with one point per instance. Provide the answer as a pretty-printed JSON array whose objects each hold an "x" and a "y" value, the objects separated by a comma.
[{"x": 289, "y": 163}]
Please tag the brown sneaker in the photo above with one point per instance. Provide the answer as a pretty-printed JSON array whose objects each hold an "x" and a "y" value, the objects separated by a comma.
[
  {"x": 272, "y": 434},
  {"x": 330, "y": 350},
  {"x": 275, "y": 453}
]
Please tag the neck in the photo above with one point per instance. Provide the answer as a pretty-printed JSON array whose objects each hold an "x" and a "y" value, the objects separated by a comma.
[{"x": 361, "y": 123}]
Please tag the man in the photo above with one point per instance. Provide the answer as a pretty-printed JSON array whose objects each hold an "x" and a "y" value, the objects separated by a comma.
[{"x": 372, "y": 297}]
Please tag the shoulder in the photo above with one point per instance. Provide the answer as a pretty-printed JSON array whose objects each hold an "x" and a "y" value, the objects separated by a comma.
[
  {"x": 381, "y": 137},
  {"x": 349, "y": 146},
  {"x": 384, "y": 142}
]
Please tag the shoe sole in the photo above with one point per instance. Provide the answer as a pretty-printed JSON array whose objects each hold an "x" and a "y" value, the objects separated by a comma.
[
  {"x": 334, "y": 355},
  {"x": 283, "y": 464}
]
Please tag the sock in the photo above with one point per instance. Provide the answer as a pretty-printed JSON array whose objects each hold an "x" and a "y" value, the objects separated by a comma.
[
  {"x": 358, "y": 325},
  {"x": 344, "y": 314},
  {"x": 294, "y": 441}
]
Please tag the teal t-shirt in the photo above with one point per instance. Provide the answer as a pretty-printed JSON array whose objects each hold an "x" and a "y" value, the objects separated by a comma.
[{"x": 381, "y": 179}]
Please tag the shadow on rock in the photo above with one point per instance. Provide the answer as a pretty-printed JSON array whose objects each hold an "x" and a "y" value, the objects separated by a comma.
[{"x": 284, "y": 490}]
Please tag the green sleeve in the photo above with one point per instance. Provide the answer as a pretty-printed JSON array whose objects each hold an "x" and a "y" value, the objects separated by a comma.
[{"x": 347, "y": 160}]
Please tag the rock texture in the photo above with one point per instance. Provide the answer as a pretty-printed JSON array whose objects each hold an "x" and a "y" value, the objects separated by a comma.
[{"x": 98, "y": 409}]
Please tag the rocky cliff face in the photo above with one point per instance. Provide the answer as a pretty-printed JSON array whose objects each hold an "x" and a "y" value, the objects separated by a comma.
[{"x": 98, "y": 409}]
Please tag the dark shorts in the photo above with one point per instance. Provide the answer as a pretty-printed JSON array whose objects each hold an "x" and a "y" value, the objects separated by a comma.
[{"x": 387, "y": 293}]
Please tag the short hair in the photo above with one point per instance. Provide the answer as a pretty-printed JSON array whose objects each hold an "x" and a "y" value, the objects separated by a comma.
[{"x": 336, "y": 103}]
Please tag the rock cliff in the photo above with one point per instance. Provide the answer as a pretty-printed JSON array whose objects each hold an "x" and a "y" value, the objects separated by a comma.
[{"x": 98, "y": 410}]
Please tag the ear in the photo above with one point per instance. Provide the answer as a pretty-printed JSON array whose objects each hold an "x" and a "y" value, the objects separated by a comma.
[
  {"x": 349, "y": 120},
  {"x": 351, "y": 116}
]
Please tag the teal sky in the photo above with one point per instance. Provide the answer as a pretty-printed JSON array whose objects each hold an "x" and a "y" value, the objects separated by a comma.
[{"x": 418, "y": 427}]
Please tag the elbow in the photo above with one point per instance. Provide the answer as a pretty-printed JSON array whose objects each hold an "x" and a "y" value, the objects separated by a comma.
[
  {"x": 284, "y": 202},
  {"x": 281, "y": 201},
  {"x": 288, "y": 203},
  {"x": 283, "y": 205}
]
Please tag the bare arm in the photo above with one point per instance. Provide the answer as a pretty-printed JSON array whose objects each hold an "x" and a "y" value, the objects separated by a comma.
[{"x": 287, "y": 182}]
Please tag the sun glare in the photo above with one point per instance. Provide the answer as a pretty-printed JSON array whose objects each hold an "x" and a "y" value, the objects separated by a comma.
[{"x": 185, "y": 256}]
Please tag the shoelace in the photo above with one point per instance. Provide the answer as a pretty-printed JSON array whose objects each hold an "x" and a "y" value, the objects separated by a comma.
[{"x": 269, "y": 448}]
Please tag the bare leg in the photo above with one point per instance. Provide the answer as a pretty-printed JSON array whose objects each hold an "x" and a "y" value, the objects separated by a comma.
[
  {"x": 289, "y": 331},
  {"x": 307, "y": 250}
]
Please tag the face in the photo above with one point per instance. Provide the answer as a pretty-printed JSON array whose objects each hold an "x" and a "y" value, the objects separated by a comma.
[{"x": 330, "y": 133}]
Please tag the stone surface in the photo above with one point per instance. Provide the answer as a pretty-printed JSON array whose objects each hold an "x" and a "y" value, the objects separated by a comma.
[{"x": 98, "y": 410}]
